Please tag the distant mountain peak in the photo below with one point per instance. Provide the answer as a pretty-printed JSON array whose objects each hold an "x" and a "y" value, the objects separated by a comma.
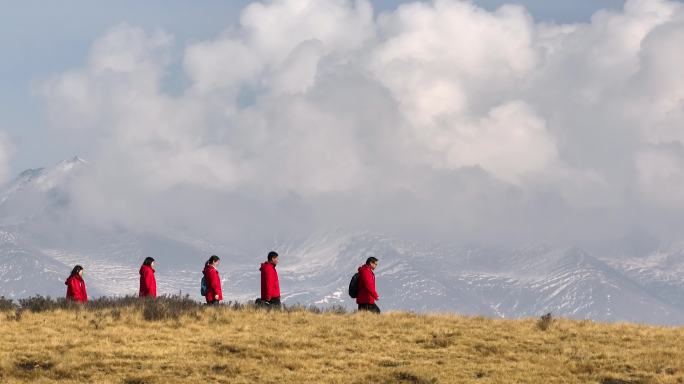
[
  {"x": 71, "y": 163},
  {"x": 76, "y": 159},
  {"x": 38, "y": 183},
  {"x": 30, "y": 173}
]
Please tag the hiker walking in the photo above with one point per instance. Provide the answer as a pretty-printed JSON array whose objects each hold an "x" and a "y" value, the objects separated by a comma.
[
  {"x": 76, "y": 288},
  {"x": 148, "y": 283},
  {"x": 212, "y": 280},
  {"x": 270, "y": 286},
  {"x": 367, "y": 295}
]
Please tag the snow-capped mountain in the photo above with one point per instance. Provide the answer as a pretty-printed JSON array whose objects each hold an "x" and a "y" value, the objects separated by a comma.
[
  {"x": 35, "y": 190},
  {"x": 36, "y": 254},
  {"x": 491, "y": 282},
  {"x": 661, "y": 273}
]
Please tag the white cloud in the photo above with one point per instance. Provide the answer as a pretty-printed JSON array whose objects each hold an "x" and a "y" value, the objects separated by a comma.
[
  {"x": 510, "y": 142},
  {"x": 472, "y": 124},
  {"x": 275, "y": 28},
  {"x": 221, "y": 64},
  {"x": 442, "y": 58},
  {"x": 661, "y": 174}
]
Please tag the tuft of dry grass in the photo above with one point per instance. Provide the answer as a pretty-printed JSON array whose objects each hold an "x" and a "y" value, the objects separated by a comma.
[
  {"x": 133, "y": 344},
  {"x": 545, "y": 322},
  {"x": 6, "y": 304}
]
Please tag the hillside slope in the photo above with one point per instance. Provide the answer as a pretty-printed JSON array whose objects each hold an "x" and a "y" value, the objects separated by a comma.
[{"x": 223, "y": 345}]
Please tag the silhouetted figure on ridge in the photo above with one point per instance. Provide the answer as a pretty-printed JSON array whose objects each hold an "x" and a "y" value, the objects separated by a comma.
[
  {"x": 366, "y": 294},
  {"x": 212, "y": 281},
  {"x": 76, "y": 288},
  {"x": 270, "y": 285},
  {"x": 148, "y": 283}
]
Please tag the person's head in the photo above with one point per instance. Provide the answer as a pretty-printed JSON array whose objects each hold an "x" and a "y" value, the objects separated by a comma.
[
  {"x": 77, "y": 271},
  {"x": 149, "y": 261},
  {"x": 372, "y": 262},
  {"x": 213, "y": 260},
  {"x": 273, "y": 257}
]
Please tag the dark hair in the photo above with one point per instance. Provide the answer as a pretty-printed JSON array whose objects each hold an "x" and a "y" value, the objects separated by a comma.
[
  {"x": 148, "y": 261},
  {"x": 76, "y": 270},
  {"x": 272, "y": 255},
  {"x": 371, "y": 260},
  {"x": 212, "y": 260}
]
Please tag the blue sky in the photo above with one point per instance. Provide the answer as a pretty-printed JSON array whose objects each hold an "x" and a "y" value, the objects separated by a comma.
[{"x": 39, "y": 39}]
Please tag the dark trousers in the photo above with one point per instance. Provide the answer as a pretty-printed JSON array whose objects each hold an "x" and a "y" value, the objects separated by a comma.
[
  {"x": 273, "y": 303},
  {"x": 369, "y": 307},
  {"x": 213, "y": 302}
]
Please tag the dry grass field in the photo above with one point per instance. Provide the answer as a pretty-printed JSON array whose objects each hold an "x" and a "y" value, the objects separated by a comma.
[{"x": 135, "y": 344}]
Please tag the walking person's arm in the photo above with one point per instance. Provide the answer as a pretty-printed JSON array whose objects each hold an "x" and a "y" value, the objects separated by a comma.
[
  {"x": 215, "y": 284},
  {"x": 274, "y": 288},
  {"x": 265, "y": 285},
  {"x": 372, "y": 290},
  {"x": 84, "y": 293}
]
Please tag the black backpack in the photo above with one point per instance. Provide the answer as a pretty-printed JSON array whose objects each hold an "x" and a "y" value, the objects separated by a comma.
[
  {"x": 204, "y": 290},
  {"x": 354, "y": 286}
]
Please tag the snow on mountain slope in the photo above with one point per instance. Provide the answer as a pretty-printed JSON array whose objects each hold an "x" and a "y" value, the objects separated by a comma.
[
  {"x": 113, "y": 264},
  {"x": 571, "y": 283},
  {"x": 25, "y": 271},
  {"x": 661, "y": 273},
  {"x": 421, "y": 277}
]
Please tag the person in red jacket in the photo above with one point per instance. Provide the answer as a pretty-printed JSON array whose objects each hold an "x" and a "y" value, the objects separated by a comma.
[
  {"x": 213, "y": 281},
  {"x": 270, "y": 286},
  {"x": 148, "y": 283},
  {"x": 76, "y": 289},
  {"x": 367, "y": 295}
]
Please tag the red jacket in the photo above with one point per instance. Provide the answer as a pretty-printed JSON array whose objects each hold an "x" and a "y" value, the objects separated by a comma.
[
  {"x": 148, "y": 284},
  {"x": 76, "y": 289},
  {"x": 213, "y": 280},
  {"x": 270, "y": 286},
  {"x": 367, "y": 293}
]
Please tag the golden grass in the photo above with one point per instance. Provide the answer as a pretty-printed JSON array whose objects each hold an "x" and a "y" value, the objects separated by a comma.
[{"x": 220, "y": 345}]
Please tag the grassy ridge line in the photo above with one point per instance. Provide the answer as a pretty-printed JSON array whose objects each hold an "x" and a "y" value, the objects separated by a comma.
[{"x": 119, "y": 344}]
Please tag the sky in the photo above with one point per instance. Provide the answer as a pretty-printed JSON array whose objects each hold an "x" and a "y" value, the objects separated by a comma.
[{"x": 518, "y": 123}]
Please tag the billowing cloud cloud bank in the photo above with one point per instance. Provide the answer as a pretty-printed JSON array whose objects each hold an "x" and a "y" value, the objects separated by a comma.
[{"x": 438, "y": 120}]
